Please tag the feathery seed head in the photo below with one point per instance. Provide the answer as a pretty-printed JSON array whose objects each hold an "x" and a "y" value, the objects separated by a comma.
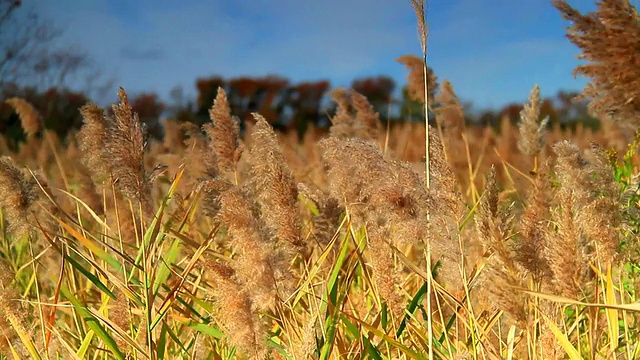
[
  {"x": 20, "y": 195},
  {"x": 415, "y": 78},
  {"x": 275, "y": 185},
  {"x": 531, "y": 130},
  {"x": 29, "y": 117},
  {"x": 224, "y": 133}
]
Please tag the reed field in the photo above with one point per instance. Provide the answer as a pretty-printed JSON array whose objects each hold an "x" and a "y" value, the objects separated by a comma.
[{"x": 367, "y": 240}]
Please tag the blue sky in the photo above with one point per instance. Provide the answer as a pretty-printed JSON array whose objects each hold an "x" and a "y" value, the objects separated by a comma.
[{"x": 492, "y": 51}]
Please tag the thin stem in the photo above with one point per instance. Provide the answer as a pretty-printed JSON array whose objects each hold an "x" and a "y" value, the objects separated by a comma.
[
  {"x": 426, "y": 107},
  {"x": 424, "y": 32}
]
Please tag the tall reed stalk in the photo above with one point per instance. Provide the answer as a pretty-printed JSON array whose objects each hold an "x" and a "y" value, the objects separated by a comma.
[{"x": 420, "y": 9}]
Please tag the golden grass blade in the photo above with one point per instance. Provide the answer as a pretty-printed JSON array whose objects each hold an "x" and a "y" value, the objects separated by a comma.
[
  {"x": 13, "y": 351},
  {"x": 121, "y": 333},
  {"x": 612, "y": 313},
  {"x": 24, "y": 337},
  {"x": 511, "y": 337},
  {"x": 635, "y": 307},
  {"x": 84, "y": 346},
  {"x": 564, "y": 341},
  {"x": 90, "y": 245},
  {"x": 89, "y": 209}
]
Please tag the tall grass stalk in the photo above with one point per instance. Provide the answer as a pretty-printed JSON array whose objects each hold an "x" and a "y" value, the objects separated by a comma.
[{"x": 420, "y": 9}]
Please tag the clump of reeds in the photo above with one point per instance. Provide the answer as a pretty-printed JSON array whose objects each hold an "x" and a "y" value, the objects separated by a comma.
[
  {"x": 263, "y": 227},
  {"x": 390, "y": 200},
  {"x": 604, "y": 222},
  {"x": 247, "y": 235},
  {"x": 564, "y": 255},
  {"x": 358, "y": 188}
]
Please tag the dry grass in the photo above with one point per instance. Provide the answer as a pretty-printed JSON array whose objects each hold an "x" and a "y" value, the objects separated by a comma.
[{"x": 523, "y": 245}]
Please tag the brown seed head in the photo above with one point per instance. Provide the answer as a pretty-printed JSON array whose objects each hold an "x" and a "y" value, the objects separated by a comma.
[
  {"x": 224, "y": 132},
  {"x": 29, "y": 117}
]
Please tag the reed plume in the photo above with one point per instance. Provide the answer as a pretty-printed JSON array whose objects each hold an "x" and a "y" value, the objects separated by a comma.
[
  {"x": 20, "y": 196},
  {"x": 92, "y": 140},
  {"x": 305, "y": 346},
  {"x": 568, "y": 248},
  {"x": 444, "y": 186},
  {"x": 502, "y": 271},
  {"x": 253, "y": 266},
  {"x": 370, "y": 186},
  {"x": 200, "y": 155},
  {"x": 173, "y": 138},
  {"x": 275, "y": 186},
  {"x": 386, "y": 275},
  {"x": 534, "y": 229},
  {"x": 224, "y": 133},
  {"x": 605, "y": 218},
  {"x": 355, "y": 117},
  {"x": 30, "y": 118},
  {"x": 14, "y": 321},
  {"x": 326, "y": 223},
  {"x": 449, "y": 112},
  {"x": 121, "y": 316},
  {"x": 415, "y": 78},
  {"x": 7, "y": 274},
  {"x": 114, "y": 148},
  {"x": 237, "y": 314},
  {"x": 350, "y": 182},
  {"x": 609, "y": 39},
  {"x": 366, "y": 121},
  {"x": 125, "y": 149},
  {"x": 341, "y": 122},
  {"x": 531, "y": 128}
]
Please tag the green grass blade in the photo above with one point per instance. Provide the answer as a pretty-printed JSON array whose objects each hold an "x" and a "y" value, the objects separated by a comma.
[
  {"x": 207, "y": 329},
  {"x": 94, "y": 279},
  {"x": 84, "y": 346},
  {"x": 93, "y": 323},
  {"x": 164, "y": 271}
]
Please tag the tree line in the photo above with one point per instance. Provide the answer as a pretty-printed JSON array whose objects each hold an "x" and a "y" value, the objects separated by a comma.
[{"x": 287, "y": 106}]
